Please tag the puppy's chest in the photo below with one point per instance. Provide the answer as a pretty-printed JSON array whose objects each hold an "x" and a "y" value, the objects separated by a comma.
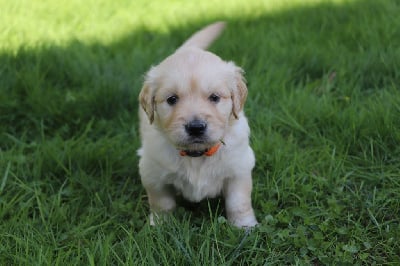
[{"x": 198, "y": 179}]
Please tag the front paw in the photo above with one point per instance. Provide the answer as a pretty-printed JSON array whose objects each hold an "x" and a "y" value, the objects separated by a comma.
[{"x": 244, "y": 222}]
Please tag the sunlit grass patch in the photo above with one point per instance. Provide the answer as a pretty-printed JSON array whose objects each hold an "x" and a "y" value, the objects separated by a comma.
[{"x": 35, "y": 23}]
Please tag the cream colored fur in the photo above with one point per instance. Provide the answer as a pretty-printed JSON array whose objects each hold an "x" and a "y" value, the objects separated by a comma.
[{"x": 193, "y": 76}]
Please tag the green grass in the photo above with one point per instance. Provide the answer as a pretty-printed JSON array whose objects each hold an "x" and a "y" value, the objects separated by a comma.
[{"x": 323, "y": 105}]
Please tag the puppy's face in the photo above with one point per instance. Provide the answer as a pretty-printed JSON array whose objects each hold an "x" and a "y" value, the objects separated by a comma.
[{"x": 192, "y": 97}]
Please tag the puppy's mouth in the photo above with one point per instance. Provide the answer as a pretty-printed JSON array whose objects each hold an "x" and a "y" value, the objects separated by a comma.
[
  {"x": 198, "y": 141},
  {"x": 195, "y": 144}
]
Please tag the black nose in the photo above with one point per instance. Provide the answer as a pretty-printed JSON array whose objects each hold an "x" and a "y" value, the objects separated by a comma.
[{"x": 196, "y": 128}]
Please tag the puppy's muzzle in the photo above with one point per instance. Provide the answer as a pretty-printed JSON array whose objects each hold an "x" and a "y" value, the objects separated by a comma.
[{"x": 196, "y": 128}]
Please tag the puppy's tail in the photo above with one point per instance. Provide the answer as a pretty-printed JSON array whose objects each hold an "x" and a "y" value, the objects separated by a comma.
[{"x": 204, "y": 37}]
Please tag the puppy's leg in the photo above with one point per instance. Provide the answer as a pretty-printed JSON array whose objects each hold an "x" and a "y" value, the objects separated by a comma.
[
  {"x": 161, "y": 201},
  {"x": 237, "y": 193},
  {"x": 161, "y": 197}
]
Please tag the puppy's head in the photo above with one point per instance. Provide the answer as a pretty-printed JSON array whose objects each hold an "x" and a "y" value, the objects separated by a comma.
[{"x": 192, "y": 97}]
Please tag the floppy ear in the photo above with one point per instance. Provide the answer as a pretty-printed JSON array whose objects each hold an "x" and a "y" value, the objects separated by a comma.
[
  {"x": 238, "y": 93},
  {"x": 147, "y": 101}
]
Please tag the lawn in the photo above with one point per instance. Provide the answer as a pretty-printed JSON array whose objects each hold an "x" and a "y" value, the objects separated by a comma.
[{"x": 323, "y": 105}]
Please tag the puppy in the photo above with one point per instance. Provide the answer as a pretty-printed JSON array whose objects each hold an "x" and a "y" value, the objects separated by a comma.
[{"x": 194, "y": 132}]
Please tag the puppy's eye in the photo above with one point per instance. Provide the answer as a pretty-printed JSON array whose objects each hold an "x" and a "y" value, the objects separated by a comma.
[
  {"x": 214, "y": 98},
  {"x": 172, "y": 100}
]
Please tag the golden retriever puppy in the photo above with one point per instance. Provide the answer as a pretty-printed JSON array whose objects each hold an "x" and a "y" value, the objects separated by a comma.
[{"x": 194, "y": 132}]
